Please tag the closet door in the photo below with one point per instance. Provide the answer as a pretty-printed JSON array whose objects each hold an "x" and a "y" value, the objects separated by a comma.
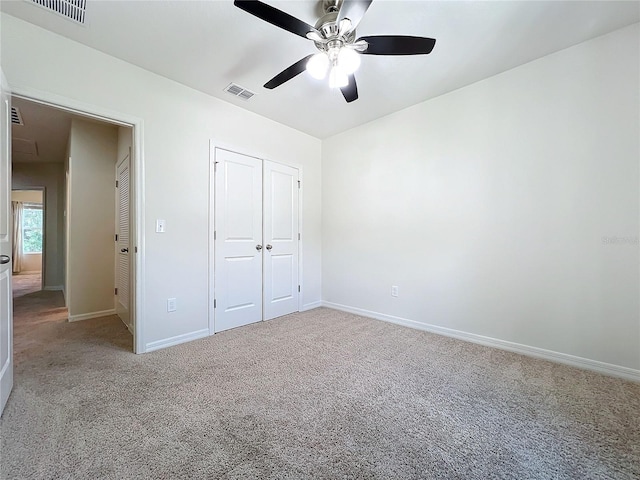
[
  {"x": 280, "y": 208},
  {"x": 238, "y": 244}
]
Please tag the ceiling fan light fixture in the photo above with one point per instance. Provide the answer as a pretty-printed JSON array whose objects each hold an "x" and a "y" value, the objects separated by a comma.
[
  {"x": 344, "y": 26},
  {"x": 337, "y": 77},
  {"x": 334, "y": 35},
  {"x": 348, "y": 60},
  {"x": 318, "y": 65}
]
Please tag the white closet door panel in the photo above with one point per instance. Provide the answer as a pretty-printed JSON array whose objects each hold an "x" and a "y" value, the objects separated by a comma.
[
  {"x": 283, "y": 279},
  {"x": 281, "y": 240},
  {"x": 238, "y": 245}
]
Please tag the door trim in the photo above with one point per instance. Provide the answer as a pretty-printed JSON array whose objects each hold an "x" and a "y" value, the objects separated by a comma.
[
  {"x": 137, "y": 182},
  {"x": 213, "y": 144},
  {"x": 6, "y": 308}
]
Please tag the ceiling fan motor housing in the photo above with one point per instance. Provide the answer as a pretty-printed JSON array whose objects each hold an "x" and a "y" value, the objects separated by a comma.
[{"x": 329, "y": 29}]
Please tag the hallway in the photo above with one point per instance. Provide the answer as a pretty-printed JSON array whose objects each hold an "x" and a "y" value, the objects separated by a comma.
[
  {"x": 24, "y": 283},
  {"x": 40, "y": 321},
  {"x": 36, "y": 316},
  {"x": 34, "y": 311}
]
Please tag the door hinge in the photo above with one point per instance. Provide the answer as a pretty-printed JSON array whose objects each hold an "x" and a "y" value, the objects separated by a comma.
[
  {"x": 214, "y": 234},
  {"x": 298, "y": 236},
  {"x": 215, "y": 166},
  {"x": 136, "y": 249},
  {"x": 116, "y": 291},
  {"x": 116, "y": 183},
  {"x": 214, "y": 303},
  {"x": 298, "y": 183},
  {"x": 298, "y": 288},
  {"x": 117, "y": 237}
]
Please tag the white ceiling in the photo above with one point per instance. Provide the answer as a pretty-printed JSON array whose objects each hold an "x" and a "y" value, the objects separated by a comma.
[
  {"x": 45, "y": 128},
  {"x": 208, "y": 44}
]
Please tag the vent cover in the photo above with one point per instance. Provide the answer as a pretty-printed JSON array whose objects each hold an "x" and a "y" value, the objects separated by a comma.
[
  {"x": 16, "y": 118},
  {"x": 24, "y": 146},
  {"x": 72, "y": 9},
  {"x": 239, "y": 91}
]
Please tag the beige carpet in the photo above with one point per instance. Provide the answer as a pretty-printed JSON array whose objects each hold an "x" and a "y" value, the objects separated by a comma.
[
  {"x": 321, "y": 395},
  {"x": 25, "y": 283}
]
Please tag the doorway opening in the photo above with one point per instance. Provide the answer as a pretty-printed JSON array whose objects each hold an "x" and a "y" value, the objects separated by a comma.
[
  {"x": 27, "y": 217},
  {"x": 74, "y": 158}
]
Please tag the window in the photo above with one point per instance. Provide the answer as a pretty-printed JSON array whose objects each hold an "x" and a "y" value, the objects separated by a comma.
[{"x": 32, "y": 228}]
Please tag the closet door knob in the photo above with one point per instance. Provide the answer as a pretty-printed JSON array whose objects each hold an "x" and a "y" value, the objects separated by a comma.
[
  {"x": 258, "y": 247},
  {"x": 269, "y": 247},
  {"x": 4, "y": 259}
]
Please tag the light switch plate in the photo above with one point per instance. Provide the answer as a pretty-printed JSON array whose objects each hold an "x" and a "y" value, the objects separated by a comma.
[
  {"x": 171, "y": 305},
  {"x": 160, "y": 226}
]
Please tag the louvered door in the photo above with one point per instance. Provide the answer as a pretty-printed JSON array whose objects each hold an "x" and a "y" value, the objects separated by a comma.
[{"x": 122, "y": 245}]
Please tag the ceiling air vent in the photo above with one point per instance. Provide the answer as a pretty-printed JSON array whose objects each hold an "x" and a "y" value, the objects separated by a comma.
[
  {"x": 238, "y": 91},
  {"x": 16, "y": 118},
  {"x": 72, "y": 9}
]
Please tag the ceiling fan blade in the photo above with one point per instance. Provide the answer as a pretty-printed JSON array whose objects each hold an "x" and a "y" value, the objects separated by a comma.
[
  {"x": 397, "y": 45},
  {"x": 350, "y": 92},
  {"x": 288, "y": 73},
  {"x": 354, "y": 10},
  {"x": 275, "y": 17}
]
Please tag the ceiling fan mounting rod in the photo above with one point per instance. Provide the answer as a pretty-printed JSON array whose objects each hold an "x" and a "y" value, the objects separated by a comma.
[{"x": 331, "y": 6}]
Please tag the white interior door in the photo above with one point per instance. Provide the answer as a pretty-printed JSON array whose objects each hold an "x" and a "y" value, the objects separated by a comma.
[
  {"x": 123, "y": 267},
  {"x": 238, "y": 240},
  {"x": 6, "y": 299},
  {"x": 281, "y": 240}
]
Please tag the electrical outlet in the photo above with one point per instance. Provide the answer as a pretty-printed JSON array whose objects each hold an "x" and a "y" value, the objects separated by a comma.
[
  {"x": 171, "y": 305},
  {"x": 394, "y": 290}
]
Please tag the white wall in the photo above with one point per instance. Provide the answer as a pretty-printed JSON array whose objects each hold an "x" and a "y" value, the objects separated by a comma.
[
  {"x": 31, "y": 263},
  {"x": 125, "y": 142},
  {"x": 51, "y": 177},
  {"x": 494, "y": 207},
  {"x": 178, "y": 124},
  {"x": 93, "y": 150},
  {"x": 26, "y": 196}
]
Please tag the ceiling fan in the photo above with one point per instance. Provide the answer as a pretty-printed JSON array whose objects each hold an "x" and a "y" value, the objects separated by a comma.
[{"x": 334, "y": 35}]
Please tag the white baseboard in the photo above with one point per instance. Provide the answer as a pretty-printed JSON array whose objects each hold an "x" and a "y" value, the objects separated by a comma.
[
  {"x": 129, "y": 327},
  {"x": 90, "y": 315},
  {"x": 54, "y": 288},
  {"x": 178, "y": 339},
  {"x": 558, "y": 357},
  {"x": 311, "y": 306}
]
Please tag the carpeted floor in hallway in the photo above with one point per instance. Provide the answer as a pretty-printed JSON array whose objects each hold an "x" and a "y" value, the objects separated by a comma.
[
  {"x": 321, "y": 394},
  {"x": 25, "y": 283}
]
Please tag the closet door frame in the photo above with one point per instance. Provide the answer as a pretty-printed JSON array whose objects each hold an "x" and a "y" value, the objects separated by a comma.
[{"x": 213, "y": 145}]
